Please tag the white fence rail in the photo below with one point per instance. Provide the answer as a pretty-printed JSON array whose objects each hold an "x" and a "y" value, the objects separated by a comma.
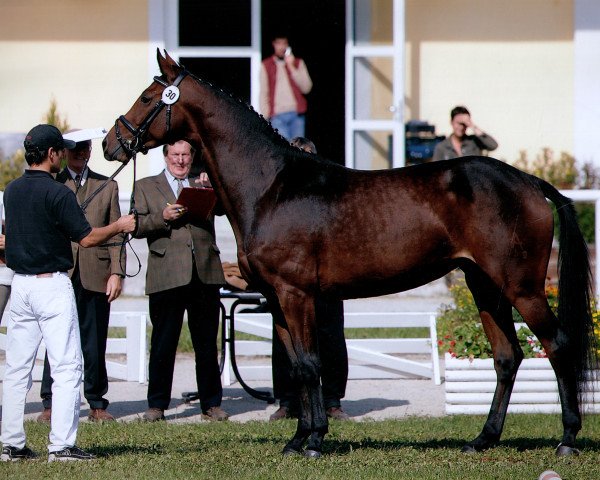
[
  {"x": 133, "y": 346},
  {"x": 368, "y": 358}
]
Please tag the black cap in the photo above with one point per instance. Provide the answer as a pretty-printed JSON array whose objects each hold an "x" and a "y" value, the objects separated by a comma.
[{"x": 44, "y": 136}]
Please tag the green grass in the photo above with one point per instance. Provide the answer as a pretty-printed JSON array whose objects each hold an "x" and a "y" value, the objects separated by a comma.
[{"x": 414, "y": 448}]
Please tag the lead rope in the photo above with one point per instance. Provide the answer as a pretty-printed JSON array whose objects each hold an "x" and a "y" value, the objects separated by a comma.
[
  {"x": 132, "y": 210},
  {"x": 127, "y": 238}
]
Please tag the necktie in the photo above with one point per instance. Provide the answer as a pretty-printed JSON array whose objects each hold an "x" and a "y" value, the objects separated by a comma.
[
  {"x": 77, "y": 179},
  {"x": 179, "y": 186}
]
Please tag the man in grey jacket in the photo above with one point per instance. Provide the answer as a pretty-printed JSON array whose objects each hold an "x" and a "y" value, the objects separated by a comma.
[
  {"x": 184, "y": 274},
  {"x": 459, "y": 144}
]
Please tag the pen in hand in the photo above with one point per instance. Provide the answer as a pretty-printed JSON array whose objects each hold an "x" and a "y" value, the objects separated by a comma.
[{"x": 173, "y": 212}]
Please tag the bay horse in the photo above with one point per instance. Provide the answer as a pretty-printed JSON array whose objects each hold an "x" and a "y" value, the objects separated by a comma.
[{"x": 306, "y": 227}]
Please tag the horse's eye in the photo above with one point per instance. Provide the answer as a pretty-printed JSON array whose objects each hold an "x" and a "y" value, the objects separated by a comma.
[{"x": 145, "y": 99}]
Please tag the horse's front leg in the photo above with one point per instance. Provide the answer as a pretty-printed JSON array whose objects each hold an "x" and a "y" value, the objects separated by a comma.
[
  {"x": 297, "y": 330},
  {"x": 312, "y": 402},
  {"x": 311, "y": 409}
]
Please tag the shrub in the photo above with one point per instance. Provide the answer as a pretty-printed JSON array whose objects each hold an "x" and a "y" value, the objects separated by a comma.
[
  {"x": 11, "y": 168},
  {"x": 14, "y": 166},
  {"x": 564, "y": 173},
  {"x": 560, "y": 172},
  {"x": 461, "y": 334}
]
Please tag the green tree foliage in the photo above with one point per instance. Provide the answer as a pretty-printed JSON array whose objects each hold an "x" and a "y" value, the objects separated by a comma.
[
  {"x": 53, "y": 117},
  {"x": 11, "y": 168}
]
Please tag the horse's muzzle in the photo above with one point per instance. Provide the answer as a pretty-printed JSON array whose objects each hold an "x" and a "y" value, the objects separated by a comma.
[{"x": 118, "y": 154}]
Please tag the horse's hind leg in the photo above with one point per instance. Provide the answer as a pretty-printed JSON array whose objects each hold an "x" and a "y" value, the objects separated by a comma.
[
  {"x": 496, "y": 316},
  {"x": 546, "y": 327}
]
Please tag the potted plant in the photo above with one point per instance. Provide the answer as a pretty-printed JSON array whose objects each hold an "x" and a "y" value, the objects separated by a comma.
[{"x": 470, "y": 378}]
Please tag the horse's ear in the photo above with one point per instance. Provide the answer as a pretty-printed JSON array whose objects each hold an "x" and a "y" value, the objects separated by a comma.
[{"x": 166, "y": 64}]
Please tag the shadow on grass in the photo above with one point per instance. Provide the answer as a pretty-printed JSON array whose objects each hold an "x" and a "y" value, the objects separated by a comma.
[
  {"x": 123, "y": 409},
  {"x": 364, "y": 406},
  {"x": 333, "y": 446},
  {"x": 117, "y": 450}
]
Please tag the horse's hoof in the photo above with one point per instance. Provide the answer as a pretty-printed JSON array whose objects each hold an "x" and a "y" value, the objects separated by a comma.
[
  {"x": 312, "y": 453},
  {"x": 564, "y": 451},
  {"x": 291, "y": 452},
  {"x": 470, "y": 449}
]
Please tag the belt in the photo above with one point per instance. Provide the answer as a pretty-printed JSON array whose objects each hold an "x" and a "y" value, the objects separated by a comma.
[{"x": 42, "y": 275}]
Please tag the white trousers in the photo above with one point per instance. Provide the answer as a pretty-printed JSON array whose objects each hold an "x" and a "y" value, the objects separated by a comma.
[{"x": 42, "y": 308}]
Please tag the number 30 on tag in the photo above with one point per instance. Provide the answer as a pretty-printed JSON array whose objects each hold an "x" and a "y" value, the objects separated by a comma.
[{"x": 170, "y": 95}]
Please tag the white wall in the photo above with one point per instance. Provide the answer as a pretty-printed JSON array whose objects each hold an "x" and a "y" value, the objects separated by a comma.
[{"x": 586, "y": 81}]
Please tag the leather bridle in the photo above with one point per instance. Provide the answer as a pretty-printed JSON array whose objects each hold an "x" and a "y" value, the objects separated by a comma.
[{"x": 136, "y": 143}]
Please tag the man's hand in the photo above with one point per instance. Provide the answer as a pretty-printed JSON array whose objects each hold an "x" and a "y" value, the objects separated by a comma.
[
  {"x": 203, "y": 180},
  {"x": 126, "y": 223},
  {"x": 173, "y": 212},
  {"x": 289, "y": 61},
  {"x": 113, "y": 287},
  {"x": 2, "y": 242}
]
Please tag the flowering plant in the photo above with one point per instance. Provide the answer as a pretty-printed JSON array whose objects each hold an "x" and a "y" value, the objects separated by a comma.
[{"x": 461, "y": 334}]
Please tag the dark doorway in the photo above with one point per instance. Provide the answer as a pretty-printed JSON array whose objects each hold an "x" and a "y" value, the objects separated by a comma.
[{"x": 316, "y": 31}]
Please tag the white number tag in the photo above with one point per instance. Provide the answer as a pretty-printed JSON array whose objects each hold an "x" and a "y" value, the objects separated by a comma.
[{"x": 170, "y": 95}]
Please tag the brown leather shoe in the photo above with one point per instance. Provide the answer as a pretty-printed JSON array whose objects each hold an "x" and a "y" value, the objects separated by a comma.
[
  {"x": 284, "y": 412},
  {"x": 215, "y": 414},
  {"x": 100, "y": 415},
  {"x": 45, "y": 416},
  {"x": 337, "y": 413},
  {"x": 279, "y": 414},
  {"x": 154, "y": 415}
]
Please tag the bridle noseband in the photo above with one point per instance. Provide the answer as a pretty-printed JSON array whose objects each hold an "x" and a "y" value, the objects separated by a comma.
[{"x": 169, "y": 97}]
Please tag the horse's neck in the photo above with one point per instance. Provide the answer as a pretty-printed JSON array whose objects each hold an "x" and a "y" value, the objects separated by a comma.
[
  {"x": 242, "y": 168},
  {"x": 242, "y": 181}
]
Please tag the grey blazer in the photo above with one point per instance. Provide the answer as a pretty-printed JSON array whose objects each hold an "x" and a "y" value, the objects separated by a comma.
[
  {"x": 96, "y": 264},
  {"x": 171, "y": 246}
]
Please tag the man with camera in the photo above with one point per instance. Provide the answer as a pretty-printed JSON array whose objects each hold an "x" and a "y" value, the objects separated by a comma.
[{"x": 459, "y": 144}]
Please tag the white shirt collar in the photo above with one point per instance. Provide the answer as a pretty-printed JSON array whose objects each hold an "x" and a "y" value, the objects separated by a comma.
[
  {"x": 173, "y": 181},
  {"x": 83, "y": 177}
]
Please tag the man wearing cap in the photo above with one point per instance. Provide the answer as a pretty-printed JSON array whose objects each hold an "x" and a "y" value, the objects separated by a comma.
[
  {"x": 96, "y": 276},
  {"x": 42, "y": 218}
]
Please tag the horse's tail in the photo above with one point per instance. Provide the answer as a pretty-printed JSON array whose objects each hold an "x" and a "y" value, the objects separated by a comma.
[{"x": 575, "y": 294}]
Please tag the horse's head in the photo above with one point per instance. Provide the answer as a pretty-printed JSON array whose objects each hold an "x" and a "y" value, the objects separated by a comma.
[{"x": 153, "y": 119}]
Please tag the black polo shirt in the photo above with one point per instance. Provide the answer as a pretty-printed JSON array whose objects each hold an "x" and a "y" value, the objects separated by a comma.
[{"x": 42, "y": 218}]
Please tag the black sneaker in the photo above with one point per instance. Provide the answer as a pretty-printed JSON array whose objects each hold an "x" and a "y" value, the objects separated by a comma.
[
  {"x": 14, "y": 454},
  {"x": 70, "y": 454}
]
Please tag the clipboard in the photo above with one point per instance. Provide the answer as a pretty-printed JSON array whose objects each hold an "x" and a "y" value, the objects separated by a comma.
[{"x": 198, "y": 201}]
